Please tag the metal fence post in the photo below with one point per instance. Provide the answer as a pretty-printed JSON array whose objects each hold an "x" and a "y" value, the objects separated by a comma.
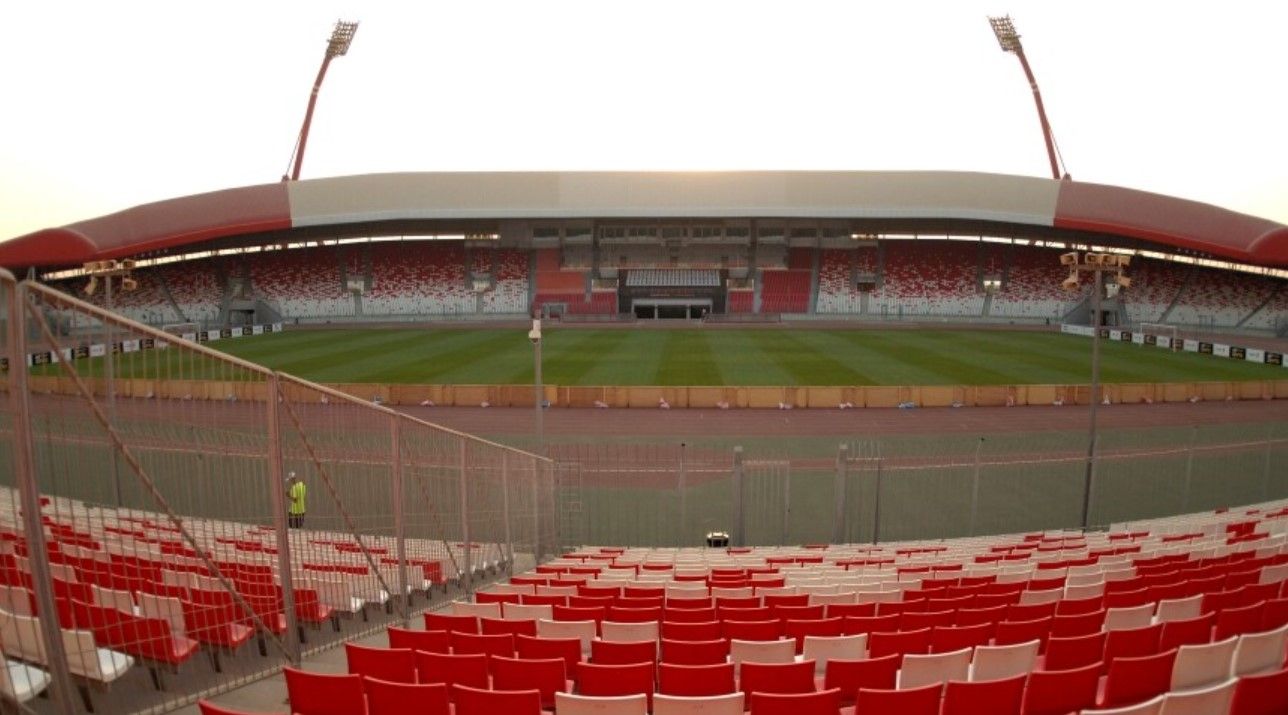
[
  {"x": 838, "y": 514},
  {"x": 682, "y": 484},
  {"x": 1189, "y": 469},
  {"x": 24, "y": 466},
  {"x": 787, "y": 502},
  {"x": 400, "y": 524},
  {"x": 1265, "y": 477},
  {"x": 739, "y": 532},
  {"x": 277, "y": 498},
  {"x": 536, "y": 507},
  {"x": 467, "y": 574},
  {"x": 876, "y": 505},
  {"x": 505, "y": 511},
  {"x": 974, "y": 489}
]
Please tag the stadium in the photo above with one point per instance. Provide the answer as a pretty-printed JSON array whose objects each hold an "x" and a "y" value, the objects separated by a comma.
[{"x": 630, "y": 442}]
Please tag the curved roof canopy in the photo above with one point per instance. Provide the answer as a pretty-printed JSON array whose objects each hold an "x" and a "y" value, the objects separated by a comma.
[{"x": 936, "y": 198}]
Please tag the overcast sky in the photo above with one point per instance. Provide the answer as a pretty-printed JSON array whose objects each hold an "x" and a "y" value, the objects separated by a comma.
[{"x": 111, "y": 104}]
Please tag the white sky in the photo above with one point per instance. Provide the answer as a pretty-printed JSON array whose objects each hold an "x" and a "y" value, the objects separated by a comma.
[{"x": 112, "y": 104}]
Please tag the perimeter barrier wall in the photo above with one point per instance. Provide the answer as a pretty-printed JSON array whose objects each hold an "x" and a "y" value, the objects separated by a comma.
[{"x": 625, "y": 396}]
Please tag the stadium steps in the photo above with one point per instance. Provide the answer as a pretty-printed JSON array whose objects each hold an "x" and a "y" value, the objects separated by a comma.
[
  {"x": 816, "y": 258},
  {"x": 988, "y": 305},
  {"x": 1176, "y": 299},
  {"x": 1269, "y": 298},
  {"x": 165, "y": 289}
]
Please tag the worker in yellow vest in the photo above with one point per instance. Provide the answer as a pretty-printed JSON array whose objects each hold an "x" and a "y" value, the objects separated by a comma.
[{"x": 295, "y": 491}]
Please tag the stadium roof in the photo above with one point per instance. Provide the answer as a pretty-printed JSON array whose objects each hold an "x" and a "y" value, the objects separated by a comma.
[{"x": 909, "y": 199}]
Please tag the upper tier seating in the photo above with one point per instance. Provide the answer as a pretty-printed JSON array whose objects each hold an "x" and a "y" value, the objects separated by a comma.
[
  {"x": 1032, "y": 286},
  {"x": 784, "y": 291},
  {"x": 418, "y": 278},
  {"x": 509, "y": 293},
  {"x": 305, "y": 283},
  {"x": 930, "y": 278},
  {"x": 1154, "y": 286},
  {"x": 1220, "y": 298}
]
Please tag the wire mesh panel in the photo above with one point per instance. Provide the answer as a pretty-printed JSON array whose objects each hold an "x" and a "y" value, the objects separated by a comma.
[
  {"x": 153, "y": 459},
  {"x": 201, "y": 517}
]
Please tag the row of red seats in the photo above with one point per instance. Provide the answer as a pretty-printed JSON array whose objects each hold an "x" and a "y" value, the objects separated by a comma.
[
  {"x": 1058, "y": 693},
  {"x": 1127, "y": 680}
]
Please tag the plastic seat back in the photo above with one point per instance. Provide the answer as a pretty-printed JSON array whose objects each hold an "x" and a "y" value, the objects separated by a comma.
[
  {"x": 712, "y": 679},
  {"x": 324, "y": 694},
  {"x": 390, "y": 698}
]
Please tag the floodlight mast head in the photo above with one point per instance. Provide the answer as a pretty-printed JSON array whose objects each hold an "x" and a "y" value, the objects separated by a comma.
[
  {"x": 1009, "y": 39},
  {"x": 341, "y": 38},
  {"x": 337, "y": 46}
]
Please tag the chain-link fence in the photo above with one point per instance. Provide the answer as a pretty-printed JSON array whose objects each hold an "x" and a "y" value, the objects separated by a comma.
[
  {"x": 908, "y": 487},
  {"x": 175, "y": 522}
]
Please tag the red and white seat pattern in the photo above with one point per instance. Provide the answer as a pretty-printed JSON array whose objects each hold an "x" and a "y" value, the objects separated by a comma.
[
  {"x": 305, "y": 283},
  {"x": 1032, "y": 286},
  {"x": 1220, "y": 298},
  {"x": 509, "y": 293},
  {"x": 1186, "y": 610},
  {"x": 418, "y": 278},
  {"x": 934, "y": 278}
]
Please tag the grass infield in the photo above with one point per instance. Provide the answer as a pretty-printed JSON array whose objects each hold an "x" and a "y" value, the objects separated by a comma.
[{"x": 750, "y": 357}]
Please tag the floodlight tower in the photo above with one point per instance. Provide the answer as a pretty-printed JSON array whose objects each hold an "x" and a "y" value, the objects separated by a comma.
[
  {"x": 337, "y": 46},
  {"x": 1009, "y": 39}
]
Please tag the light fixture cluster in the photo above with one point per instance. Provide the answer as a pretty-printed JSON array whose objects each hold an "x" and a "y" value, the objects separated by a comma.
[
  {"x": 106, "y": 270},
  {"x": 1097, "y": 263}
]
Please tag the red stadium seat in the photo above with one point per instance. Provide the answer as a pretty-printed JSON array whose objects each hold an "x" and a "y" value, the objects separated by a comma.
[
  {"x": 899, "y": 643},
  {"x": 852, "y": 675},
  {"x": 823, "y": 702},
  {"x": 1074, "y": 651},
  {"x": 704, "y": 631},
  {"x": 913, "y": 701},
  {"x": 500, "y": 626},
  {"x": 450, "y": 669},
  {"x": 432, "y": 641},
  {"x": 396, "y": 665},
  {"x": 695, "y": 652},
  {"x": 386, "y": 698},
  {"x": 622, "y": 652},
  {"x": 566, "y": 649},
  {"x": 1191, "y": 631},
  {"x": 776, "y": 677},
  {"x": 987, "y": 697},
  {"x": 1132, "y": 642},
  {"x": 476, "y": 701},
  {"x": 1012, "y": 632},
  {"x": 1261, "y": 694},
  {"x": 324, "y": 694},
  {"x": 1057, "y": 692},
  {"x": 945, "y": 639},
  {"x": 1133, "y": 680},
  {"x": 545, "y": 675},
  {"x": 450, "y": 623},
  {"x": 1077, "y": 624},
  {"x": 607, "y": 680},
  {"x": 501, "y": 644},
  {"x": 713, "y": 679}
]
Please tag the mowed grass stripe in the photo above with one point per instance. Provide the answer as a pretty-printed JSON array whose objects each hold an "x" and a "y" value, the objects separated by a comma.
[
  {"x": 624, "y": 356},
  {"x": 687, "y": 359},
  {"x": 569, "y": 355},
  {"x": 804, "y": 362},
  {"x": 632, "y": 360}
]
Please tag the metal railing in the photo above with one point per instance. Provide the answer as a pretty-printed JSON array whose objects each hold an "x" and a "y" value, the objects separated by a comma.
[{"x": 152, "y": 545}]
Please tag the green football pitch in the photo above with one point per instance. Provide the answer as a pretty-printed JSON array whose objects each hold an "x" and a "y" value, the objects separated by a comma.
[{"x": 724, "y": 356}]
